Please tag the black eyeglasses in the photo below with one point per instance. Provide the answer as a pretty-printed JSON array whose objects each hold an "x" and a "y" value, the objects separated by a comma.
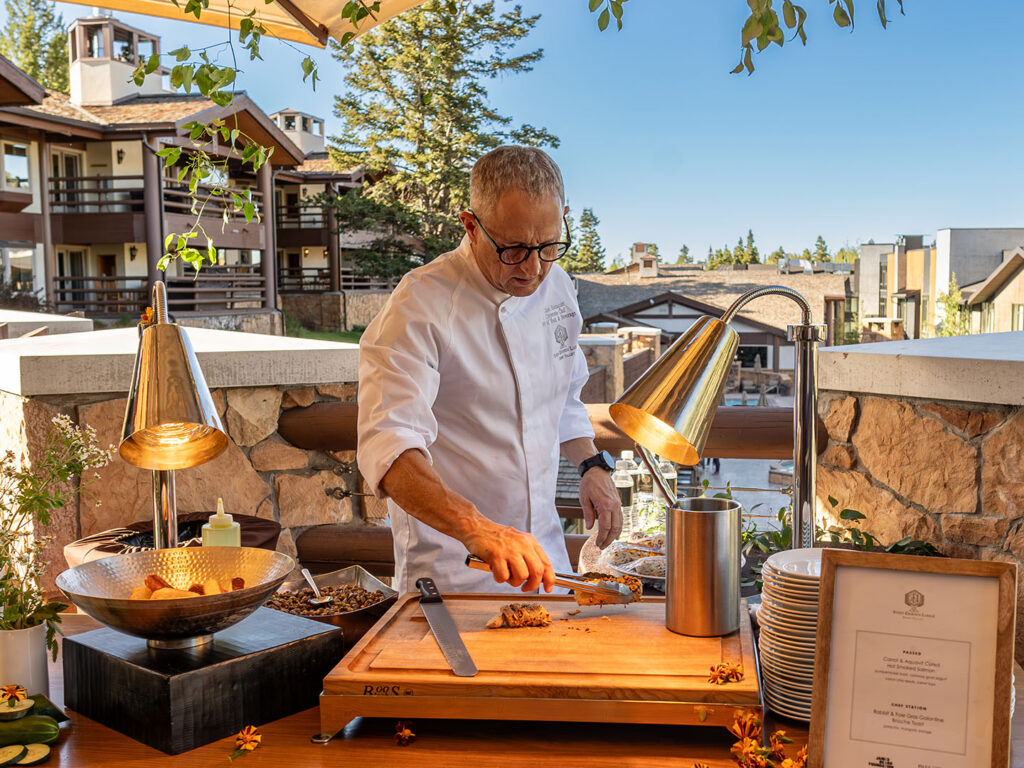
[{"x": 517, "y": 254}]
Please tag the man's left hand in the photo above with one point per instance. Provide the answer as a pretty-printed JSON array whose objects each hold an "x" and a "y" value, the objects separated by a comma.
[{"x": 600, "y": 502}]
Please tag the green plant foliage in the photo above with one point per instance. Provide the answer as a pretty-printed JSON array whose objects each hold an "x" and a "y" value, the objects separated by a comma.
[
  {"x": 684, "y": 256},
  {"x": 956, "y": 320},
  {"x": 27, "y": 497},
  {"x": 762, "y": 27},
  {"x": 35, "y": 40},
  {"x": 415, "y": 110},
  {"x": 590, "y": 253}
]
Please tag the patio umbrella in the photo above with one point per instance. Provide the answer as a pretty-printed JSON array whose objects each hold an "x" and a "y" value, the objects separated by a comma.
[{"x": 301, "y": 21}]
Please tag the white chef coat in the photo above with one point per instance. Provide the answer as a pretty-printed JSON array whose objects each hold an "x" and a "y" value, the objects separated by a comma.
[{"x": 487, "y": 386}]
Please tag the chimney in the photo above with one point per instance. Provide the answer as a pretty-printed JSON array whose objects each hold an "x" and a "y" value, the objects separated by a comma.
[
  {"x": 647, "y": 261},
  {"x": 104, "y": 53},
  {"x": 305, "y": 131}
]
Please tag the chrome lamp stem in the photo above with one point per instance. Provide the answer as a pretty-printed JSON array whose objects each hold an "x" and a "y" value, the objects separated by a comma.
[
  {"x": 806, "y": 336},
  {"x": 165, "y": 510}
]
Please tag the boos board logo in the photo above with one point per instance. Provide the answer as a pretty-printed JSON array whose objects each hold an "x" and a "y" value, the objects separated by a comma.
[{"x": 881, "y": 762}]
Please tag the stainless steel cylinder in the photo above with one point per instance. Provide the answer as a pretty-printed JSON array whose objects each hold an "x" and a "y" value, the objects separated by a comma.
[{"x": 702, "y": 588}]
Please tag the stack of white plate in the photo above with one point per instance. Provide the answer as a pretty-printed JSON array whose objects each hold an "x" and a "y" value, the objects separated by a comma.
[{"x": 789, "y": 621}]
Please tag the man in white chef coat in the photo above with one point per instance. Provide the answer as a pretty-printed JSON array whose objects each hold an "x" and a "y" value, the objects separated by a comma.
[{"x": 469, "y": 383}]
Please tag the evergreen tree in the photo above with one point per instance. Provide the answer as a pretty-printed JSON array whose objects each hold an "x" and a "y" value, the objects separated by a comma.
[
  {"x": 415, "y": 110},
  {"x": 821, "y": 251},
  {"x": 574, "y": 239},
  {"x": 652, "y": 250},
  {"x": 844, "y": 254},
  {"x": 36, "y": 41},
  {"x": 617, "y": 263},
  {"x": 684, "y": 256},
  {"x": 750, "y": 252},
  {"x": 777, "y": 255},
  {"x": 956, "y": 320},
  {"x": 591, "y": 254}
]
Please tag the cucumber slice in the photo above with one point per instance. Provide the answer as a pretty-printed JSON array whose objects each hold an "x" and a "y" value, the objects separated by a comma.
[
  {"x": 12, "y": 753},
  {"x": 13, "y": 712},
  {"x": 34, "y": 755}
]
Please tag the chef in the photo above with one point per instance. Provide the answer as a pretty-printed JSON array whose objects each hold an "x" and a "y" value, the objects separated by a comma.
[{"x": 469, "y": 385}]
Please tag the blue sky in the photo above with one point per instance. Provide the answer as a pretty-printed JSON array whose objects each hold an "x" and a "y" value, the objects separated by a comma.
[{"x": 855, "y": 136}]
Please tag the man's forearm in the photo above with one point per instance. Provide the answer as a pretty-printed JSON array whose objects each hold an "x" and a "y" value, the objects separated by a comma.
[
  {"x": 578, "y": 450},
  {"x": 418, "y": 489}
]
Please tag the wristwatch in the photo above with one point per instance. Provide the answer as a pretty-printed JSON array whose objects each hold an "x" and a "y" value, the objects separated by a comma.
[{"x": 601, "y": 459}]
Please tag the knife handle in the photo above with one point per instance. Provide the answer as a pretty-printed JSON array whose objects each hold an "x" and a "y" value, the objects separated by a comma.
[{"x": 429, "y": 592}]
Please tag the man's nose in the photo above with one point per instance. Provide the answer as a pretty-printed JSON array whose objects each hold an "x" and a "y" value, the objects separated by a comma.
[{"x": 531, "y": 267}]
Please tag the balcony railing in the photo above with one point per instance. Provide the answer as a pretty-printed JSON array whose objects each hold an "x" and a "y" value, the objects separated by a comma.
[
  {"x": 96, "y": 194},
  {"x": 101, "y": 296},
  {"x": 317, "y": 280},
  {"x": 178, "y": 199},
  {"x": 301, "y": 217},
  {"x": 217, "y": 289}
]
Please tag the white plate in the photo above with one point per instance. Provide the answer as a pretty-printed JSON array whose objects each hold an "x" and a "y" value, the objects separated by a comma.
[
  {"x": 772, "y": 579},
  {"x": 786, "y": 702},
  {"x": 785, "y": 676},
  {"x": 786, "y": 644},
  {"x": 798, "y": 631},
  {"x": 785, "y": 657},
  {"x": 807, "y": 620},
  {"x": 798, "y": 563},
  {"x": 798, "y": 691},
  {"x": 773, "y": 600},
  {"x": 777, "y": 706}
]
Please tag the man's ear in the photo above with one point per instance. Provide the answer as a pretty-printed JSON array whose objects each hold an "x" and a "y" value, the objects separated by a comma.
[
  {"x": 469, "y": 224},
  {"x": 565, "y": 210}
]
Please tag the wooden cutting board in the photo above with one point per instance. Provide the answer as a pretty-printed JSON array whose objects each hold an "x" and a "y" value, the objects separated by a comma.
[{"x": 603, "y": 664}]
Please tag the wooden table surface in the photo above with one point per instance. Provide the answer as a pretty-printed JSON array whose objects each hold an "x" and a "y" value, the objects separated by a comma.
[{"x": 440, "y": 743}]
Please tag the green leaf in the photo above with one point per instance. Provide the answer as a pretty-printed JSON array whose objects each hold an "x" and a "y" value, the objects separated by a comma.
[
  {"x": 244, "y": 28},
  {"x": 833, "y": 501},
  {"x": 748, "y": 61},
  {"x": 851, "y": 514},
  {"x": 167, "y": 241},
  {"x": 595, "y": 4},
  {"x": 840, "y": 16},
  {"x": 789, "y": 13},
  {"x": 603, "y": 19},
  {"x": 181, "y": 54},
  {"x": 221, "y": 98},
  {"x": 139, "y": 75},
  {"x": 248, "y": 210},
  {"x": 751, "y": 29},
  {"x": 616, "y": 9},
  {"x": 153, "y": 64}
]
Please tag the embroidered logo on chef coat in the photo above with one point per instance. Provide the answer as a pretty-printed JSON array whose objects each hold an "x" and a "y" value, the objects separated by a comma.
[
  {"x": 561, "y": 335},
  {"x": 556, "y": 315}
]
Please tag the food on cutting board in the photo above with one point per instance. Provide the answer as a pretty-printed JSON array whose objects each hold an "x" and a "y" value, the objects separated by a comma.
[
  {"x": 156, "y": 588},
  {"x": 516, "y": 615},
  {"x": 588, "y": 598},
  {"x": 651, "y": 566},
  {"x": 651, "y": 540},
  {"x": 347, "y": 598}
]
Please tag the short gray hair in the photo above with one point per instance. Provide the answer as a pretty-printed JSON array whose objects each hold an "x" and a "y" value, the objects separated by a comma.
[{"x": 528, "y": 169}]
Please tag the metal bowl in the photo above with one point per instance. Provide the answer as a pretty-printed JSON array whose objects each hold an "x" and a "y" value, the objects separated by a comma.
[
  {"x": 354, "y": 624},
  {"x": 100, "y": 588}
]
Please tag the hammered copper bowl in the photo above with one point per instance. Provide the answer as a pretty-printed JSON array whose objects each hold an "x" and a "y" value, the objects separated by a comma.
[{"x": 100, "y": 588}]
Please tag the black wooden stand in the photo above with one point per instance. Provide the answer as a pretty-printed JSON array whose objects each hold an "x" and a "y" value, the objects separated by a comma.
[{"x": 266, "y": 667}]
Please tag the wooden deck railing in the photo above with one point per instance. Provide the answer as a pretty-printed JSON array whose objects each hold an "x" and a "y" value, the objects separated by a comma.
[
  {"x": 178, "y": 199},
  {"x": 217, "y": 289},
  {"x": 100, "y": 296},
  {"x": 317, "y": 280},
  {"x": 96, "y": 194},
  {"x": 301, "y": 217}
]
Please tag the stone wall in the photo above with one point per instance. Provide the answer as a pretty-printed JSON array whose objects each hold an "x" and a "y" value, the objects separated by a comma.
[
  {"x": 259, "y": 473},
  {"x": 268, "y": 321},
  {"x": 341, "y": 311},
  {"x": 950, "y": 473}
]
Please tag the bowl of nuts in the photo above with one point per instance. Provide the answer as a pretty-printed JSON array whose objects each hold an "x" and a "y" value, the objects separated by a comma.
[{"x": 359, "y": 600}]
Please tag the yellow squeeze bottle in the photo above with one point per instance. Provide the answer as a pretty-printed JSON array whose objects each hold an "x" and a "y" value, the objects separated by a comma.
[{"x": 221, "y": 531}]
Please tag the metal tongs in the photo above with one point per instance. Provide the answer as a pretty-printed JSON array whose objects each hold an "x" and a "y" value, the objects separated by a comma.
[{"x": 608, "y": 591}]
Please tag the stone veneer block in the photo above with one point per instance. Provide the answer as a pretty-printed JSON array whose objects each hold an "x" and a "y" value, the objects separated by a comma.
[
  {"x": 1002, "y": 471},
  {"x": 916, "y": 457},
  {"x": 338, "y": 391},
  {"x": 252, "y": 413},
  {"x": 102, "y": 361},
  {"x": 271, "y": 455},
  {"x": 976, "y": 369},
  {"x": 840, "y": 417},
  {"x": 304, "y": 501},
  {"x": 298, "y": 397}
]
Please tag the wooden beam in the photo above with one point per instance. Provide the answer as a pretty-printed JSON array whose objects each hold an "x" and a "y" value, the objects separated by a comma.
[{"x": 738, "y": 432}]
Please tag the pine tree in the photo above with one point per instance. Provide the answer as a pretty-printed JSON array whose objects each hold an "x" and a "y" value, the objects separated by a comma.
[
  {"x": 777, "y": 255},
  {"x": 415, "y": 109},
  {"x": 750, "y": 252},
  {"x": 684, "y": 256},
  {"x": 652, "y": 250},
  {"x": 844, "y": 254},
  {"x": 36, "y": 41},
  {"x": 956, "y": 320},
  {"x": 591, "y": 254},
  {"x": 821, "y": 251}
]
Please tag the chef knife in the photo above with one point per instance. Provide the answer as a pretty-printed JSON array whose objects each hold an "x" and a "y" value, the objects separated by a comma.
[{"x": 444, "y": 629}]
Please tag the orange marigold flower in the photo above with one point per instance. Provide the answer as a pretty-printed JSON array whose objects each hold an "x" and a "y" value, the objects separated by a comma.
[
  {"x": 777, "y": 741},
  {"x": 147, "y": 316},
  {"x": 12, "y": 694},
  {"x": 403, "y": 735},
  {"x": 726, "y": 672},
  {"x": 746, "y": 726},
  {"x": 248, "y": 738}
]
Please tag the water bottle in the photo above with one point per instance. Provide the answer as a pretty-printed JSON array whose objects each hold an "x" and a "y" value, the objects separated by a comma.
[
  {"x": 633, "y": 468},
  {"x": 668, "y": 469},
  {"x": 624, "y": 485}
]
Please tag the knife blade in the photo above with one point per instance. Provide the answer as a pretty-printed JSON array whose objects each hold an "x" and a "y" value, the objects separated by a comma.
[{"x": 444, "y": 629}]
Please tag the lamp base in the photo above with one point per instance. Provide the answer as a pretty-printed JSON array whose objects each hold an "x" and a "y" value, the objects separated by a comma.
[{"x": 268, "y": 666}]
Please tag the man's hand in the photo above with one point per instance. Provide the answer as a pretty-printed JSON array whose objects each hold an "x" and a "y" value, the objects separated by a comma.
[
  {"x": 600, "y": 502},
  {"x": 514, "y": 556}
]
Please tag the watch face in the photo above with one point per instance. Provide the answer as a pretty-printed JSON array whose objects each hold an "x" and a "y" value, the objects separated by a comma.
[{"x": 608, "y": 461}]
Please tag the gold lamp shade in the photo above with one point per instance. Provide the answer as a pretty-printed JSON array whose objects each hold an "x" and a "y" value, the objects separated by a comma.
[
  {"x": 669, "y": 409},
  {"x": 171, "y": 421}
]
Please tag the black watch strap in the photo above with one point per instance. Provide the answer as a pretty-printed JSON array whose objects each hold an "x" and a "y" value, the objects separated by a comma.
[{"x": 601, "y": 459}]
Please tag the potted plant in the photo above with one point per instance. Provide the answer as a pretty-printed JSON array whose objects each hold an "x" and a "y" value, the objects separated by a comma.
[{"x": 28, "y": 619}]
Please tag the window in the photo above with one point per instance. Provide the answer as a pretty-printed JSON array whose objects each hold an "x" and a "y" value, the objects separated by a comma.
[
  {"x": 748, "y": 355},
  {"x": 306, "y": 126},
  {"x": 289, "y": 122},
  {"x": 924, "y": 311},
  {"x": 1017, "y": 317},
  {"x": 94, "y": 43},
  {"x": 16, "y": 266},
  {"x": 883, "y": 277},
  {"x": 15, "y": 166},
  {"x": 318, "y": 128},
  {"x": 882, "y": 308},
  {"x": 147, "y": 47},
  {"x": 123, "y": 46},
  {"x": 988, "y": 317}
]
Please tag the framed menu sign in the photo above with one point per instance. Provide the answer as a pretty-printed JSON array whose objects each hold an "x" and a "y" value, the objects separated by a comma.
[{"x": 913, "y": 664}]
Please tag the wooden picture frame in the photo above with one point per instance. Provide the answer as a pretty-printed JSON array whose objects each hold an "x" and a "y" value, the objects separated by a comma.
[{"x": 846, "y": 566}]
